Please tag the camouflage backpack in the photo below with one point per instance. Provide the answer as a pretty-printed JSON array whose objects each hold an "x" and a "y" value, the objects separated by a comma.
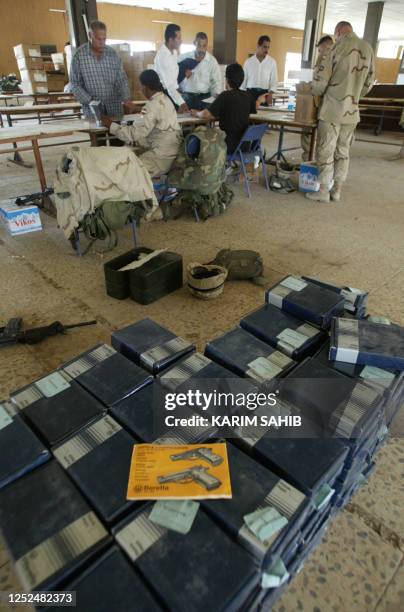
[
  {"x": 105, "y": 220},
  {"x": 241, "y": 265},
  {"x": 199, "y": 172}
]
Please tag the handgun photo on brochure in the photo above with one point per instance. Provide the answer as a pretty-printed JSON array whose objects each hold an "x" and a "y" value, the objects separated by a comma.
[
  {"x": 198, "y": 474},
  {"x": 202, "y": 453}
]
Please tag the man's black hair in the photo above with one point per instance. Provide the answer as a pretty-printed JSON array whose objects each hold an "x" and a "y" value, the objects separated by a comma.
[
  {"x": 235, "y": 75},
  {"x": 150, "y": 78},
  {"x": 171, "y": 31},
  {"x": 343, "y": 24},
  {"x": 263, "y": 39},
  {"x": 325, "y": 39},
  {"x": 201, "y": 35}
]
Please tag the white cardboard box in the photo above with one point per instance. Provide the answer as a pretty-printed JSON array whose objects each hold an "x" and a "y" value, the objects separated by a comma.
[
  {"x": 25, "y": 50},
  {"x": 308, "y": 178},
  {"x": 35, "y": 76},
  {"x": 30, "y": 63},
  {"x": 28, "y": 87},
  {"x": 20, "y": 219}
]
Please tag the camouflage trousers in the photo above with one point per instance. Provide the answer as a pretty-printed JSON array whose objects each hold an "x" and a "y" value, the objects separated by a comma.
[
  {"x": 305, "y": 144},
  {"x": 332, "y": 151},
  {"x": 154, "y": 164}
]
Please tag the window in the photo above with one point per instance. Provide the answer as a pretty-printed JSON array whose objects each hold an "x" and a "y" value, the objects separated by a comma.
[
  {"x": 389, "y": 49},
  {"x": 135, "y": 45},
  {"x": 293, "y": 62}
]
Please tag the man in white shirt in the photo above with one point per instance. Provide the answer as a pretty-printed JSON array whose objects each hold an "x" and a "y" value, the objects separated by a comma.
[
  {"x": 166, "y": 65},
  {"x": 205, "y": 79},
  {"x": 261, "y": 75}
]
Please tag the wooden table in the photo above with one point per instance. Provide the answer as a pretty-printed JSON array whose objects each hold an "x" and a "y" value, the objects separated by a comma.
[
  {"x": 33, "y": 134},
  {"x": 286, "y": 123},
  {"x": 25, "y": 113},
  {"x": 51, "y": 95},
  {"x": 36, "y": 133},
  {"x": 279, "y": 96},
  {"x": 98, "y": 135},
  {"x": 382, "y": 100},
  {"x": 382, "y": 106}
]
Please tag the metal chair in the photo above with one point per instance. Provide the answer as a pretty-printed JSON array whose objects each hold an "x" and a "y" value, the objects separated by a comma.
[{"x": 247, "y": 150}]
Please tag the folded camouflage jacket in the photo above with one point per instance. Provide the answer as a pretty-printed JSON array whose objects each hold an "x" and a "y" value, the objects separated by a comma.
[{"x": 87, "y": 177}]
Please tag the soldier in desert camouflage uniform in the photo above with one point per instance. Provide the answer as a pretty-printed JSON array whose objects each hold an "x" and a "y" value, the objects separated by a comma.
[
  {"x": 324, "y": 45},
  {"x": 155, "y": 133},
  {"x": 344, "y": 75}
]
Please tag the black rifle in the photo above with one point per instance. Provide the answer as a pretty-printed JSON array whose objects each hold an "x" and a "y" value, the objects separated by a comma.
[
  {"x": 12, "y": 333},
  {"x": 33, "y": 198}
]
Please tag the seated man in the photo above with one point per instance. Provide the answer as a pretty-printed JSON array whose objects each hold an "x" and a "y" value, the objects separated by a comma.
[
  {"x": 232, "y": 107},
  {"x": 203, "y": 79},
  {"x": 155, "y": 133}
]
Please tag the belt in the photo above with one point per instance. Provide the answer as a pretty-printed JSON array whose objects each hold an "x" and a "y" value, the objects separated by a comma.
[{"x": 194, "y": 93}]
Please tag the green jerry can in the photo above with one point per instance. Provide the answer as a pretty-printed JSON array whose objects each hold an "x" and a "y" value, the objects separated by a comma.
[{"x": 157, "y": 276}]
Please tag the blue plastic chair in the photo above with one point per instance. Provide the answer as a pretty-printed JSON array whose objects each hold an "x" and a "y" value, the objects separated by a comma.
[{"x": 247, "y": 149}]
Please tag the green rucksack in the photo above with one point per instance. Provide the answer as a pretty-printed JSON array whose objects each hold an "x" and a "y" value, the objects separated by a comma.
[
  {"x": 198, "y": 172},
  {"x": 106, "y": 219},
  {"x": 241, "y": 265}
]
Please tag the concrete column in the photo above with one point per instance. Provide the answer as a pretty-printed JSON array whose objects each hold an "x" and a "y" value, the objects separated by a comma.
[
  {"x": 80, "y": 13},
  {"x": 372, "y": 24},
  {"x": 313, "y": 29},
  {"x": 225, "y": 31}
]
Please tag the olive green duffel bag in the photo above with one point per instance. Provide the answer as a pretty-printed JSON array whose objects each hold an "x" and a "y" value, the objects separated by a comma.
[{"x": 241, "y": 265}]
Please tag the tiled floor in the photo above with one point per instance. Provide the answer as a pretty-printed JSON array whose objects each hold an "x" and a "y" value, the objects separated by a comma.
[{"x": 359, "y": 242}]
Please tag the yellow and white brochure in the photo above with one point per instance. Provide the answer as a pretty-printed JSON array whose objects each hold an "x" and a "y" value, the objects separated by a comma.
[{"x": 186, "y": 471}]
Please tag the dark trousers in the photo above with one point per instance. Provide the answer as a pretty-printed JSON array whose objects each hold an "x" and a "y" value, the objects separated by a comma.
[
  {"x": 256, "y": 92},
  {"x": 195, "y": 100}
]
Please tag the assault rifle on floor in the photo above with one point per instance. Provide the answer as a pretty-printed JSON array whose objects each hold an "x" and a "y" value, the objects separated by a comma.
[{"x": 13, "y": 334}]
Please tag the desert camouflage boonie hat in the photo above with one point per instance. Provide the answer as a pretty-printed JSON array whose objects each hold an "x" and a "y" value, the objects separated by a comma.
[{"x": 205, "y": 281}]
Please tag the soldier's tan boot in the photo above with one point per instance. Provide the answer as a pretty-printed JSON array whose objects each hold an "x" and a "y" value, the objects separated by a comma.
[
  {"x": 322, "y": 195},
  {"x": 335, "y": 192}
]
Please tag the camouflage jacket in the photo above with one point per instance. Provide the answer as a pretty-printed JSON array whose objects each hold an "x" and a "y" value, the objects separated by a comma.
[
  {"x": 343, "y": 76},
  {"x": 203, "y": 173},
  {"x": 87, "y": 177},
  {"x": 155, "y": 129}
]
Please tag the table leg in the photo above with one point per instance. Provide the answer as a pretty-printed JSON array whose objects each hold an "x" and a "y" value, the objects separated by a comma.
[
  {"x": 17, "y": 159},
  {"x": 312, "y": 143},
  {"x": 94, "y": 139},
  {"x": 47, "y": 203},
  {"x": 39, "y": 166},
  {"x": 379, "y": 128},
  {"x": 279, "y": 154}
]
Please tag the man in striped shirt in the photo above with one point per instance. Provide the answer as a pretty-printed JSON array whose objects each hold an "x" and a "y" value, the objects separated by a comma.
[{"x": 97, "y": 74}]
